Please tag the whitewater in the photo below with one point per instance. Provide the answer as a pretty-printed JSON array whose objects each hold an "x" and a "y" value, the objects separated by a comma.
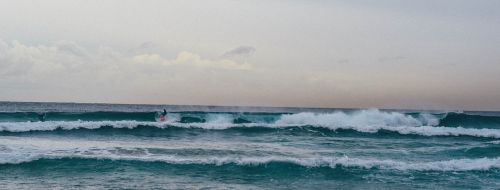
[{"x": 106, "y": 146}]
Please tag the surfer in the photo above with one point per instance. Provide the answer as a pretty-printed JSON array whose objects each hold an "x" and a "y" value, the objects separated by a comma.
[
  {"x": 41, "y": 117},
  {"x": 163, "y": 116}
]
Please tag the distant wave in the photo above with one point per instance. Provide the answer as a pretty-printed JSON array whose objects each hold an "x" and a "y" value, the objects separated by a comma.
[
  {"x": 75, "y": 116},
  {"x": 479, "y": 164},
  {"x": 466, "y": 120},
  {"x": 370, "y": 117},
  {"x": 404, "y": 130},
  {"x": 365, "y": 121},
  {"x": 182, "y": 117}
]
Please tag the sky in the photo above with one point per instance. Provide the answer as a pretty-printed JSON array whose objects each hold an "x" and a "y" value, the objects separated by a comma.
[{"x": 426, "y": 54}]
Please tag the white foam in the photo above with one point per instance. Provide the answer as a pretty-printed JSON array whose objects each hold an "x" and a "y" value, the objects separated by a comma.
[
  {"x": 368, "y": 121},
  {"x": 371, "y": 117},
  {"x": 220, "y": 118},
  {"x": 332, "y": 162},
  {"x": 372, "y": 121},
  {"x": 220, "y": 123},
  {"x": 429, "y": 119},
  {"x": 68, "y": 125},
  {"x": 15, "y": 150}
]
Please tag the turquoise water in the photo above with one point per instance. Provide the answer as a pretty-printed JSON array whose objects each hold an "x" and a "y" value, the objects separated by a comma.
[{"x": 103, "y": 146}]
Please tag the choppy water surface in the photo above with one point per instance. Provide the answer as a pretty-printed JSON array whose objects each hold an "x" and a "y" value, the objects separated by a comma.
[{"x": 123, "y": 146}]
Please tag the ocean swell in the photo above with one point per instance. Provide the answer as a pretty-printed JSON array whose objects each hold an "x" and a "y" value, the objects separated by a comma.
[
  {"x": 17, "y": 127},
  {"x": 479, "y": 164}
]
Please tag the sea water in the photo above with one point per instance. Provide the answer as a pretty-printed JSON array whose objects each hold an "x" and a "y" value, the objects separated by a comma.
[{"x": 106, "y": 146}]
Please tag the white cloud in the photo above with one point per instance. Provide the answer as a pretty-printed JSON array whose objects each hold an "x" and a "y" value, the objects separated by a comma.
[
  {"x": 17, "y": 59},
  {"x": 191, "y": 59},
  {"x": 42, "y": 72},
  {"x": 20, "y": 59}
]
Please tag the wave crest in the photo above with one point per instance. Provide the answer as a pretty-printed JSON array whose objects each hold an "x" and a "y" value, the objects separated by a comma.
[
  {"x": 404, "y": 130},
  {"x": 479, "y": 164},
  {"x": 366, "y": 121},
  {"x": 371, "y": 117}
]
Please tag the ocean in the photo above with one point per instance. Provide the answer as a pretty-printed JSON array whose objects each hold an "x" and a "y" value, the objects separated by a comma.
[{"x": 120, "y": 146}]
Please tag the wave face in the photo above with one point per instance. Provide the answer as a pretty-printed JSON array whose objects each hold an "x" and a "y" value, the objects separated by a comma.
[
  {"x": 245, "y": 148},
  {"x": 469, "y": 120}
]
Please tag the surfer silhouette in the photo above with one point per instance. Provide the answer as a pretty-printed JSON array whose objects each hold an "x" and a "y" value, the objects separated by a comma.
[
  {"x": 163, "y": 116},
  {"x": 41, "y": 117}
]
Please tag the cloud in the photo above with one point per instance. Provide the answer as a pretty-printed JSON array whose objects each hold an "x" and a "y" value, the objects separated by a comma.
[
  {"x": 147, "y": 47},
  {"x": 71, "y": 48},
  {"x": 191, "y": 59},
  {"x": 239, "y": 51},
  {"x": 67, "y": 71},
  {"x": 20, "y": 59},
  {"x": 17, "y": 59}
]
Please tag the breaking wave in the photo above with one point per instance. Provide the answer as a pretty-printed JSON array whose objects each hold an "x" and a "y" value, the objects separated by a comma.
[
  {"x": 479, "y": 164},
  {"x": 403, "y": 130},
  {"x": 365, "y": 121}
]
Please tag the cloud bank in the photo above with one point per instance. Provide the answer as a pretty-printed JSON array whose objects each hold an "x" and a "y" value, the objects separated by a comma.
[
  {"x": 67, "y": 69},
  {"x": 20, "y": 59}
]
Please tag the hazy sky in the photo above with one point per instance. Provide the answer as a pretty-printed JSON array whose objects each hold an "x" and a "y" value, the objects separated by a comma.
[{"x": 425, "y": 54}]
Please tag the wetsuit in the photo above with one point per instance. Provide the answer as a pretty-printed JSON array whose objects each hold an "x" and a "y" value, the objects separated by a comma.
[
  {"x": 41, "y": 117},
  {"x": 163, "y": 116}
]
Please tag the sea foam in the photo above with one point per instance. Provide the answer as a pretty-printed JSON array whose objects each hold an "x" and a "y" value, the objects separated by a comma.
[
  {"x": 366, "y": 121},
  {"x": 331, "y": 162}
]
